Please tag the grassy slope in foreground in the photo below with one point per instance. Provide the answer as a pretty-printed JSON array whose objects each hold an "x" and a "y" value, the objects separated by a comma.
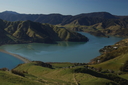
[
  {"x": 59, "y": 76},
  {"x": 7, "y": 78}
]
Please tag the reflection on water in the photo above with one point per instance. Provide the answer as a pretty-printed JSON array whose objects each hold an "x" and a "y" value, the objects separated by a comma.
[
  {"x": 41, "y": 46},
  {"x": 66, "y": 44},
  {"x": 63, "y": 51}
]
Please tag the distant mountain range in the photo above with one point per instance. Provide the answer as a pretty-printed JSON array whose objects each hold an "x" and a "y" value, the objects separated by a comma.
[
  {"x": 96, "y": 23},
  {"x": 57, "y": 18},
  {"x": 9, "y": 12}
]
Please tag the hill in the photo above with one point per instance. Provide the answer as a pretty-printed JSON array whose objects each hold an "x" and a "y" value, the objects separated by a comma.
[
  {"x": 108, "y": 27},
  {"x": 113, "y": 59},
  {"x": 9, "y": 12},
  {"x": 53, "y": 18},
  {"x": 65, "y": 74},
  {"x": 8, "y": 78},
  {"x": 113, "y": 51},
  {"x": 96, "y": 23},
  {"x": 28, "y": 32}
]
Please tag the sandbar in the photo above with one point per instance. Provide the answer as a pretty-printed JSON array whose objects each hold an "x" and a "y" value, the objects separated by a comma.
[{"x": 17, "y": 56}]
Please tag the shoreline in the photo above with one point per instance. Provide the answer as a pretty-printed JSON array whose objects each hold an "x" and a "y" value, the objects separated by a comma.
[{"x": 16, "y": 56}]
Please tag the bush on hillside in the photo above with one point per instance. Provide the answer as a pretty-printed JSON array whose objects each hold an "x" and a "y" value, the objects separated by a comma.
[
  {"x": 124, "y": 68},
  {"x": 18, "y": 72},
  {"x": 4, "y": 69},
  {"x": 40, "y": 63}
]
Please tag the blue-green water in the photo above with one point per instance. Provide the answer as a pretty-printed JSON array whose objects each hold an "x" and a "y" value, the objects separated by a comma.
[
  {"x": 63, "y": 51},
  {"x": 8, "y": 61}
]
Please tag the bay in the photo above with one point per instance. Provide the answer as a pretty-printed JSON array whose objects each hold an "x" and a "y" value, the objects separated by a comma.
[
  {"x": 63, "y": 51},
  {"x": 8, "y": 61}
]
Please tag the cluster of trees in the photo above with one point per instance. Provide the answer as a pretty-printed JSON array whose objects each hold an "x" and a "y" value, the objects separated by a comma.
[
  {"x": 4, "y": 69},
  {"x": 124, "y": 68},
  {"x": 20, "y": 73},
  {"x": 79, "y": 64},
  {"x": 109, "y": 76},
  {"x": 40, "y": 63}
]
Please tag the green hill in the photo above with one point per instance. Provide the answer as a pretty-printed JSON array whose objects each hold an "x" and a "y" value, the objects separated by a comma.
[
  {"x": 112, "y": 51},
  {"x": 113, "y": 58},
  {"x": 39, "y": 73},
  {"x": 100, "y": 27},
  {"x": 28, "y": 32},
  {"x": 63, "y": 75},
  {"x": 96, "y": 23},
  {"x": 8, "y": 78}
]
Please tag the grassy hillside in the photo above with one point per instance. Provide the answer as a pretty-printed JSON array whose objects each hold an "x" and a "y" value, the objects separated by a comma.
[
  {"x": 112, "y": 51},
  {"x": 35, "y": 73},
  {"x": 100, "y": 27},
  {"x": 96, "y": 23},
  {"x": 65, "y": 74},
  {"x": 28, "y": 32},
  {"x": 7, "y": 78},
  {"x": 113, "y": 59}
]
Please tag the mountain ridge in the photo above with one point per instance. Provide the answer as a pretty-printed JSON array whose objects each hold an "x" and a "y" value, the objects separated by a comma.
[
  {"x": 60, "y": 17},
  {"x": 96, "y": 23},
  {"x": 29, "y": 31},
  {"x": 10, "y": 12}
]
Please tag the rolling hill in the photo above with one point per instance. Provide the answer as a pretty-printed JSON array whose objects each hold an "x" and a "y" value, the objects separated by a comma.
[
  {"x": 96, "y": 23},
  {"x": 28, "y": 32}
]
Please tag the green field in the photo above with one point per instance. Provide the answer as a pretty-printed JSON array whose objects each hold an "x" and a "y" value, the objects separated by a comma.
[{"x": 62, "y": 75}]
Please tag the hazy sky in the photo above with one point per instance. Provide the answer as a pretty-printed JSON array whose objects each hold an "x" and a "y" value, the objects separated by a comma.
[{"x": 66, "y": 7}]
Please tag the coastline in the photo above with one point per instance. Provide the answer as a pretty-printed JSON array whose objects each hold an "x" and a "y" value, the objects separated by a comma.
[{"x": 17, "y": 56}]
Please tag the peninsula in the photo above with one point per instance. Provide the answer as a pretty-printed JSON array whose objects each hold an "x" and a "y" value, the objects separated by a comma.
[{"x": 17, "y": 56}]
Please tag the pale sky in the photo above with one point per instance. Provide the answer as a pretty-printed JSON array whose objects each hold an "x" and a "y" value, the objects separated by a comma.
[{"x": 65, "y": 7}]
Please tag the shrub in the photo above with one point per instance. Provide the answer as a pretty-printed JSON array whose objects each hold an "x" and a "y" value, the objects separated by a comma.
[
  {"x": 18, "y": 72},
  {"x": 124, "y": 68},
  {"x": 4, "y": 69},
  {"x": 40, "y": 63}
]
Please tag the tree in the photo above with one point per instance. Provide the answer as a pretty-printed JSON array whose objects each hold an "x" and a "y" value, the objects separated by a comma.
[{"x": 124, "y": 68}]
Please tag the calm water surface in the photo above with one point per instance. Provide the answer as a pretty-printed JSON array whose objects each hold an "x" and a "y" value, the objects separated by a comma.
[
  {"x": 8, "y": 61},
  {"x": 61, "y": 52}
]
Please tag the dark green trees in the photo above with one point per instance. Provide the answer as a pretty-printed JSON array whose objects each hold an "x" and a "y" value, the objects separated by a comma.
[{"x": 124, "y": 68}]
